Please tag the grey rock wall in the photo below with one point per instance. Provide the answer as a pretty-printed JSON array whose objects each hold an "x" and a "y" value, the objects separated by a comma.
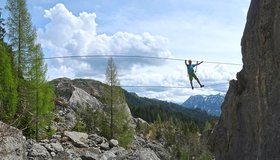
[{"x": 249, "y": 127}]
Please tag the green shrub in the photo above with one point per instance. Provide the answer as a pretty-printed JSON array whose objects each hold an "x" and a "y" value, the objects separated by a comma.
[
  {"x": 184, "y": 155},
  {"x": 80, "y": 126},
  {"x": 205, "y": 155}
]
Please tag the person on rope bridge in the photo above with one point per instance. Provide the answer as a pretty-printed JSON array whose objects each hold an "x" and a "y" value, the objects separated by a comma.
[{"x": 191, "y": 72}]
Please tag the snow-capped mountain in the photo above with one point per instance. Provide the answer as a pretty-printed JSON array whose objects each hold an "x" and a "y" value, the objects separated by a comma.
[{"x": 210, "y": 103}]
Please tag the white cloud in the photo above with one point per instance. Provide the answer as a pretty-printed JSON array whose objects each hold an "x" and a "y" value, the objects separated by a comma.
[
  {"x": 68, "y": 34},
  {"x": 65, "y": 29},
  {"x": 61, "y": 71}
]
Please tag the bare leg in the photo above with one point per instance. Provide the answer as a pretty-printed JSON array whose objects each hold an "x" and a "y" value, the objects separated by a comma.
[
  {"x": 199, "y": 83},
  {"x": 191, "y": 84}
]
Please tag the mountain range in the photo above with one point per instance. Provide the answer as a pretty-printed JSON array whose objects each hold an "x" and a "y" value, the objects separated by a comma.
[{"x": 210, "y": 103}]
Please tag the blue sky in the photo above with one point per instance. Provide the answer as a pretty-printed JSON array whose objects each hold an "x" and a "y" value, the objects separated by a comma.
[{"x": 187, "y": 29}]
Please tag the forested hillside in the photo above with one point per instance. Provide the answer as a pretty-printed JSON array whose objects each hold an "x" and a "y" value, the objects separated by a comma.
[{"x": 150, "y": 109}]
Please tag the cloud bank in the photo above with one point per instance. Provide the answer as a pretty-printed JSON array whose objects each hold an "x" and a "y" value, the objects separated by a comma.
[
  {"x": 67, "y": 34},
  {"x": 76, "y": 35}
]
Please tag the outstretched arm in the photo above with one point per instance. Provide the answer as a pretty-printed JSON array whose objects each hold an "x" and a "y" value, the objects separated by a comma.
[
  {"x": 186, "y": 62},
  {"x": 199, "y": 63}
]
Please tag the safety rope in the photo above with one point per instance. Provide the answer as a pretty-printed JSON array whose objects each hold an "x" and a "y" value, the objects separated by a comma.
[{"x": 135, "y": 56}]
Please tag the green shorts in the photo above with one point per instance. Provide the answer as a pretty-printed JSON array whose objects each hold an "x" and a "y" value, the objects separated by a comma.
[{"x": 192, "y": 76}]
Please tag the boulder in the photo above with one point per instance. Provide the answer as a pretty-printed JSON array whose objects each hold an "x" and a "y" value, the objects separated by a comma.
[
  {"x": 72, "y": 153},
  {"x": 104, "y": 146},
  {"x": 81, "y": 98},
  {"x": 117, "y": 150},
  {"x": 48, "y": 147},
  {"x": 61, "y": 155},
  {"x": 12, "y": 143},
  {"x": 57, "y": 147},
  {"x": 70, "y": 119},
  {"x": 78, "y": 138},
  {"x": 96, "y": 138},
  {"x": 141, "y": 125},
  {"x": 113, "y": 143},
  {"x": 39, "y": 152},
  {"x": 147, "y": 154},
  {"x": 107, "y": 155},
  {"x": 90, "y": 156},
  {"x": 94, "y": 150},
  {"x": 160, "y": 150}
]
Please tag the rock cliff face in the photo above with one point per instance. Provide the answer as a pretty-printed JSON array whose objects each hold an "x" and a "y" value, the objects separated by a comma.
[
  {"x": 12, "y": 143},
  {"x": 249, "y": 126}
]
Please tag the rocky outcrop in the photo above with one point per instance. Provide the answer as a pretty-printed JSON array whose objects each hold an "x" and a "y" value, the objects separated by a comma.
[
  {"x": 78, "y": 139},
  {"x": 63, "y": 87},
  {"x": 75, "y": 96},
  {"x": 71, "y": 100},
  {"x": 75, "y": 145},
  {"x": 249, "y": 125},
  {"x": 65, "y": 118},
  {"x": 141, "y": 144},
  {"x": 95, "y": 89},
  {"x": 37, "y": 151},
  {"x": 12, "y": 143},
  {"x": 147, "y": 154},
  {"x": 81, "y": 98},
  {"x": 95, "y": 148}
]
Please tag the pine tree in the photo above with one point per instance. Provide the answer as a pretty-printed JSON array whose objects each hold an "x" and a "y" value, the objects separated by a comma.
[
  {"x": 112, "y": 80},
  {"x": 119, "y": 118},
  {"x": 123, "y": 132},
  {"x": 35, "y": 95},
  {"x": 8, "y": 94}
]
